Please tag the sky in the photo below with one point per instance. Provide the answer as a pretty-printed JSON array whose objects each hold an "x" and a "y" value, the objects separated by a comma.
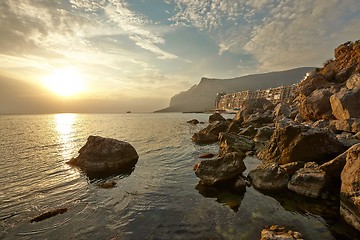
[{"x": 119, "y": 55}]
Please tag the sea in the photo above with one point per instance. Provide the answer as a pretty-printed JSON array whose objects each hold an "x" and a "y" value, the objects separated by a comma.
[{"x": 159, "y": 199}]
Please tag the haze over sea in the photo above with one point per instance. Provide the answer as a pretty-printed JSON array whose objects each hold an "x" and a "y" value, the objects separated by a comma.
[{"x": 158, "y": 200}]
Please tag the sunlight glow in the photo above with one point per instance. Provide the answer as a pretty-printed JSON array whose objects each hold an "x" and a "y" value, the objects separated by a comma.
[
  {"x": 65, "y": 82},
  {"x": 64, "y": 124}
]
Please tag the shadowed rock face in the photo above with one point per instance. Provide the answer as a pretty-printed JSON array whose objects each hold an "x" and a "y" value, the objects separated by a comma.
[
  {"x": 269, "y": 176},
  {"x": 350, "y": 187},
  {"x": 101, "y": 155}
]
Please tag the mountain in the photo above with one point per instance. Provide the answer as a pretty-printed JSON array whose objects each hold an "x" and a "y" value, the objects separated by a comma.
[{"x": 201, "y": 97}]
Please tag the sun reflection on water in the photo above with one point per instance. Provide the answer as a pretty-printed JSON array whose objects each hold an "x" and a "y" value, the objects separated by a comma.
[{"x": 64, "y": 124}]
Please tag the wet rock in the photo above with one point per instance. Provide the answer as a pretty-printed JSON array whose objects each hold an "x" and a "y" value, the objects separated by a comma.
[
  {"x": 345, "y": 104},
  {"x": 276, "y": 232},
  {"x": 48, "y": 214},
  {"x": 230, "y": 142},
  {"x": 105, "y": 155},
  {"x": 220, "y": 170},
  {"x": 216, "y": 117},
  {"x": 292, "y": 167},
  {"x": 239, "y": 184},
  {"x": 193, "y": 121},
  {"x": 350, "y": 188},
  {"x": 292, "y": 142},
  {"x": 309, "y": 181},
  {"x": 268, "y": 177},
  {"x": 207, "y": 155},
  {"x": 210, "y": 133}
]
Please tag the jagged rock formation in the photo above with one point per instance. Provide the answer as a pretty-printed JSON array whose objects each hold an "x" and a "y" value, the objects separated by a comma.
[{"x": 201, "y": 97}]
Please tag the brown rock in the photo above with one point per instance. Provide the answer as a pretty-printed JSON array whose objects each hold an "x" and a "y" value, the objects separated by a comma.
[
  {"x": 216, "y": 117},
  {"x": 223, "y": 169},
  {"x": 317, "y": 105},
  {"x": 105, "y": 155},
  {"x": 193, "y": 121},
  {"x": 207, "y": 155},
  {"x": 269, "y": 177},
  {"x": 230, "y": 142},
  {"x": 292, "y": 167},
  {"x": 346, "y": 125},
  {"x": 276, "y": 232},
  {"x": 346, "y": 104},
  {"x": 210, "y": 133},
  {"x": 292, "y": 142},
  {"x": 350, "y": 188},
  {"x": 335, "y": 166},
  {"x": 353, "y": 81}
]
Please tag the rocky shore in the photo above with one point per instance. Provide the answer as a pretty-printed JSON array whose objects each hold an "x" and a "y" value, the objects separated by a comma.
[{"x": 310, "y": 146}]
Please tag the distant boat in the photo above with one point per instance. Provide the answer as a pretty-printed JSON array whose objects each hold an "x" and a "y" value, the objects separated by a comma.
[{"x": 128, "y": 111}]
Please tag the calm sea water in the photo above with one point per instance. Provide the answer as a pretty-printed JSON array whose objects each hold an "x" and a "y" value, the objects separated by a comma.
[{"x": 158, "y": 200}]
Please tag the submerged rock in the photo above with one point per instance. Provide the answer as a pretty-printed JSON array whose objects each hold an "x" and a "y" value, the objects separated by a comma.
[
  {"x": 48, "y": 214},
  {"x": 350, "y": 188},
  {"x": 101, "y": 155},
  {"x": 220, "y": 170},
  {"x": 269, "y": 177},
  {"x": 193, "y": 121}
]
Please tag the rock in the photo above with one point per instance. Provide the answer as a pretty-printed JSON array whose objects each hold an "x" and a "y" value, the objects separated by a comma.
[
  {"x": 249, "y": 131},
  {"x": 210, "y": 133},
  {"x": 207, "y": 155},
  {"x": 230, "y": 142},
  {"x": 350, "y": 188},
  {"x": 276, "y": 232},
  {"x": 216, "y": 117},
  {"x": 252, "y": 106},
  {"x": 292, "y": 167},
  {"x": 309, "y": 181},
  {"x": 353, "y": 81},
  {"x": 234, "y": 126},
  {"x": 292, "y": 142},
  {"x": 258, "y": 119},
  {"x": 193, "y": 121},
  {"x": 264, "y": 134},
  {"x": 347, "y": 139},
  {"x": 105, "y": 155},
  {"x": 335, "y": 166},
  {"x": 342, "y": 49},
  {"x": 346, "y": 125},
  {"x": 311, "y": 83},
  {"x": 346, "y": 104},
  {"x": 282, "y": 110},
  {"x": 108, "y": 184},
  {"x": 48, "y": 214},
  {"x": 321, "y": 124},
  {"x": 239, "y": 184},
  {"x": 268, "y": 177},
  {"x": 223, "y": 169},
  {"x": 317, "y": 105}
]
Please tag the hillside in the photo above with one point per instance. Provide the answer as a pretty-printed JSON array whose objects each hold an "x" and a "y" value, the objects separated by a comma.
[{"x": 201, "y": 97}]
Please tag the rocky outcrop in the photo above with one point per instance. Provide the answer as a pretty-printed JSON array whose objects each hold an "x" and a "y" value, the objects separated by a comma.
[
  {"x": 230, "y": 142},
  {"x": 350, "y": 187},
  {"x": 220, "y": 170},
  {"x": 105, "y": 155},
  {"x": 292, "y": 142},
  {"x": 269, "y": 177},
  {"x": 253, "y": 106},
  {"x": 309, "y": 181},
  {"x": 210, "y": 133},
  {"x": 276, "y": 232}
]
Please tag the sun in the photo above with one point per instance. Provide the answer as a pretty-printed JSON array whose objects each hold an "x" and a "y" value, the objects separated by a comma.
[{"x": 65, "y": 82}]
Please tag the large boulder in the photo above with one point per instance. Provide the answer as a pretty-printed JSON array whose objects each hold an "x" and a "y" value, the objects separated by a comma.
[
  {"x": 335, "y": 166},
  {"x": 105, "y": 155},
  {"x": 350, "y": 188},
  {"x": 268, "y": 177},
  {"x": 211, "y": 132},
  {"x": 292, "y": 142},
  {"x": 317, "y": 105},
  {"x": 346, "y": 104},
  {"x": 309, "y": 181},
  {"x": 220, "y": 170},
  {"x": 230, "y": 142}
]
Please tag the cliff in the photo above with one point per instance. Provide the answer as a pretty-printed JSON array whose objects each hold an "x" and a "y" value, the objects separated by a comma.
[{"x": 201, "y": 97}]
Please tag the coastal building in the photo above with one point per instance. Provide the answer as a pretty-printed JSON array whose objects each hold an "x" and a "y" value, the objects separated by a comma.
[{"x": 233, "y": 101}]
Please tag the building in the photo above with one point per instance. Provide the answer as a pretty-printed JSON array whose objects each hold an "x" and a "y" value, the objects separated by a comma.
[{"x": 233, "y": 101}]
